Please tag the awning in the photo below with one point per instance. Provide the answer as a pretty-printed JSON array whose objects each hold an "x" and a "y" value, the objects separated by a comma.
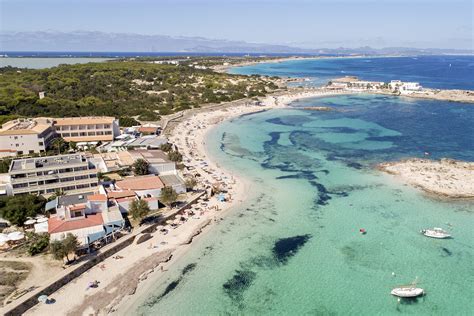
[
  {"x": 41, "y": 227},
  {"x": 51, "y": 204}
]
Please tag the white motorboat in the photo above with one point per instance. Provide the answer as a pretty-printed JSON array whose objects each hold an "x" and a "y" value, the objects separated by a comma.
[
  {"x": 436, "y": 232},
  {"x": 407, "y": 291}
]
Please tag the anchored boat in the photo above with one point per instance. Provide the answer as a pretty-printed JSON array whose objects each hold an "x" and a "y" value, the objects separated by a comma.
[
  {"x": 436, "y": 232},
  {"x": 407, "y": 291}
]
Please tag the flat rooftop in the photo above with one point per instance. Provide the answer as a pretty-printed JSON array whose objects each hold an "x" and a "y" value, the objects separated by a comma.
[
  {"x": 25, "y": 127},
  {"x": 148, "y": 182},
  {"x": 148, "y": 141},
  {"x": 84, "y": 120},
  {"x": 152, "y": 156},
  {"x": 73, "y": 199},
  {"x": 171, "y": 180},
  {"x": 46, "y": 162}
]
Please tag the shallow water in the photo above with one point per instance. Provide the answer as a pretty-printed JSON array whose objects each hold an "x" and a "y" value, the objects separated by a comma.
[{"x": 294, "y": 246}]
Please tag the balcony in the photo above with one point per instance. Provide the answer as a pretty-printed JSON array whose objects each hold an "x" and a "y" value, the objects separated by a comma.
[
  {"x": 54, "y": 176},
  {"x": 58, "y": 186}
]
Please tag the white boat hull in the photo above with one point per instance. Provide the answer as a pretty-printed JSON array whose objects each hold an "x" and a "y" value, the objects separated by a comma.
[
  {"x": 435, "y": 233},
  {"x": 407, "y": 292}
]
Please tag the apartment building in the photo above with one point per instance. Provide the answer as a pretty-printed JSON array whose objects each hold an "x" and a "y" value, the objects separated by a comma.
[
  {"x": 72, "y": 173},
  {"x": 87, "y": 129},
  {"x": 26, "y": 136}
]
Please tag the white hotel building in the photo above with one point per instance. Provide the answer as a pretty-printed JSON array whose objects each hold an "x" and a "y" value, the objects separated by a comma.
[{"x": 87, "y": 129}]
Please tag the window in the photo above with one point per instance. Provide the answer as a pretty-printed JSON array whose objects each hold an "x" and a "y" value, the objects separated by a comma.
[
  {"x": 41, "y": 143},
  {"x": 21, "y": 185},
  {"x": 31, "y": 151}
]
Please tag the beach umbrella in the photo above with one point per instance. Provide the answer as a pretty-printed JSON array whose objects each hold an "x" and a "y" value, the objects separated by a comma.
[
  {"x": 3, "y": 238},
  {"x": 30, "y": 222},
  {"x": 43, "y": 299},
  {"x": 14, "y": 236}
]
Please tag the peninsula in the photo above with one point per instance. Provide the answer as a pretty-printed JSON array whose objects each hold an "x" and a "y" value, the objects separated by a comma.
[
  {"x": 353, "y": 84},
  {"x": 447, "y": 177}
]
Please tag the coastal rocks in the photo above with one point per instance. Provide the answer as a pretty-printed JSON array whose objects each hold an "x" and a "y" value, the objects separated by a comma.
[
  {"x": 445, "y": 178},
  {"x": 143, "y": 238},
  {"x": 196, "y": 232},
  {"x": 466, "y": 96}
]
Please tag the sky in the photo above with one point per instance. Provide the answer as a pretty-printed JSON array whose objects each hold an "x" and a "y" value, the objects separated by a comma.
[{"x": 302, "y": 23}]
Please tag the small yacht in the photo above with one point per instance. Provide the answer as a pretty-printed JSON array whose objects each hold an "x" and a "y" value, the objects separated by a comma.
[
  {"x": 407, "y": 291},
  {"x": 436, "y": 232}
]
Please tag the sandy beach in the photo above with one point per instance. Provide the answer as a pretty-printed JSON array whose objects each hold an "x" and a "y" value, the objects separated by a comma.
[
  {"x": 124, "y": 278},
  {"x": 446, "y": 178}
]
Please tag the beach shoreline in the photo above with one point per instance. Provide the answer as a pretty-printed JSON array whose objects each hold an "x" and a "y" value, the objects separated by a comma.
[{"x": 128, "y": 272}]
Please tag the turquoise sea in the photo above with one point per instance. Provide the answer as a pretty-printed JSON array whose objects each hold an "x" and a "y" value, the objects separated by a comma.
[
  {"x": 294, "y": 247},
  {"x": 441, "y": 72}
]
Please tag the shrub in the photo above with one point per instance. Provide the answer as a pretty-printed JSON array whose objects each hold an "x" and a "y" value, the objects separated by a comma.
[{"x": 37, "y": 243}]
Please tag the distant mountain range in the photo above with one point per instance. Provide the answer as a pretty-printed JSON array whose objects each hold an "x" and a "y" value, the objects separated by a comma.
[{"x": 86, "y": 41}]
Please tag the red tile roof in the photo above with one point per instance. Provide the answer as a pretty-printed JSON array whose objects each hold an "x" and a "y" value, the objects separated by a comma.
[
  {"x": 125, "y": 199},
  {"x": 97, "y": 197},
  {"x": 58, "y": 225},
  {"x": 149, "y": 182},
  {"x": 77, "y": 207},
  {"x": 120, "y": 194},
  {"x": 146, "y": 129}
]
